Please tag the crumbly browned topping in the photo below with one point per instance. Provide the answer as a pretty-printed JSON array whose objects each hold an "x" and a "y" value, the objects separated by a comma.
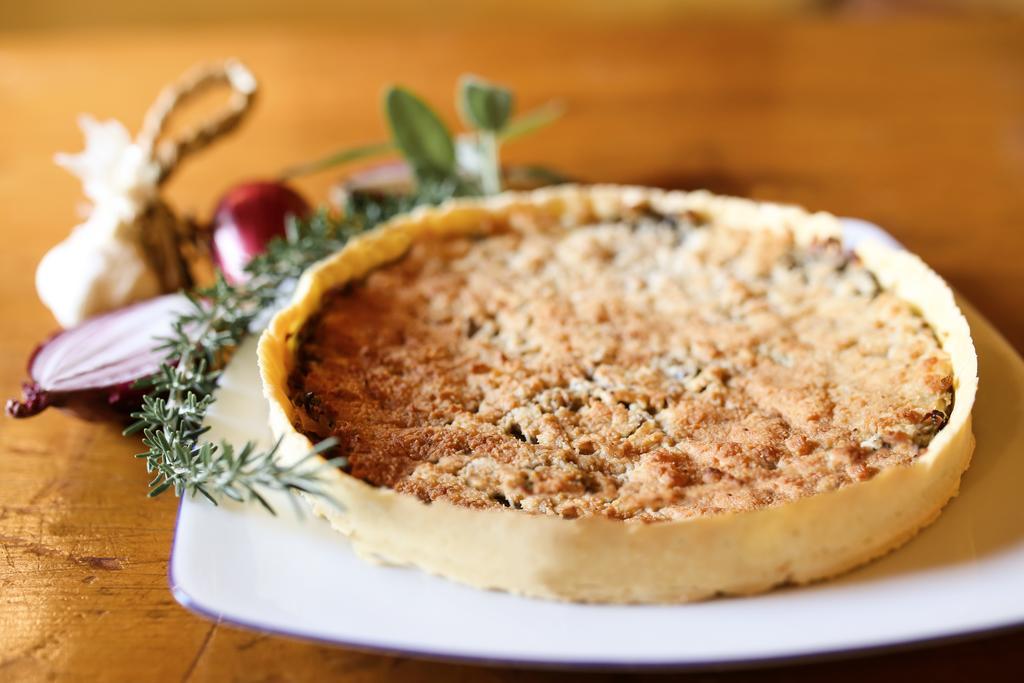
[{"x": 653, "y": 368}]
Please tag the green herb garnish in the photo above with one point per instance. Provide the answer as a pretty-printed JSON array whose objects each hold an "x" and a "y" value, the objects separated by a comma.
[
  {"x": 487, "y": 108},
  {"x": 171, "y": 419},
  {"x": 421, "y": 137}
]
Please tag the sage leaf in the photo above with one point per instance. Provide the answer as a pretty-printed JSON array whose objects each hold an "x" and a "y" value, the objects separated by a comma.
[
  {"x": 419, "y": 134},
  {"x": 485, "y": 105}
]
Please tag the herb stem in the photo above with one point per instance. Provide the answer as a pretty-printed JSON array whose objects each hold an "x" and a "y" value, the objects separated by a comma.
[
  {"x": 490, "y": 174},
  {"x": 171, "y": 419},
  {"x": 344, "y": 156}
]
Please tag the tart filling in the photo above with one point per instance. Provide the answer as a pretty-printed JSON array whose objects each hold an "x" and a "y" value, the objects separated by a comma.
[
  {"x": 652, "y": 367},
  {"x": 616, "y": 394}
]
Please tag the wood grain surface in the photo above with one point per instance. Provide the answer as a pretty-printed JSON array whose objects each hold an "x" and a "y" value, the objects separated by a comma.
[{"x": 917, "y": 126}]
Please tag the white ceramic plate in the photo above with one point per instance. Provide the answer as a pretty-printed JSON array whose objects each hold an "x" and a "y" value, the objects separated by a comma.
[{"x": 294, "y": 576}]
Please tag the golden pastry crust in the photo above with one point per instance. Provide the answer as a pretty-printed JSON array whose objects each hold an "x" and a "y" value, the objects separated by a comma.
[{"x": 682, "y": 538}]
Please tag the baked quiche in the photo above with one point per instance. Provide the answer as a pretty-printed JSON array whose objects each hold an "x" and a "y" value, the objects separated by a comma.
[{"x": 621, "y": 394}]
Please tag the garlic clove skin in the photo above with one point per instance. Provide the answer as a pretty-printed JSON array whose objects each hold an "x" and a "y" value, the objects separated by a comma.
[
  {"x": 99, "y": 267},
  {"x": 103, "y": 264},
  {"x": 116, "y": 173}
]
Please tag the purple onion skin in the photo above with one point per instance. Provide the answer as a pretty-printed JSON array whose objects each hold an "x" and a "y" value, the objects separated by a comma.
[
  {"x": 247, "y": 218},
  {"x": 109, "y": 404},
  {"x": 90, "y": 370}
]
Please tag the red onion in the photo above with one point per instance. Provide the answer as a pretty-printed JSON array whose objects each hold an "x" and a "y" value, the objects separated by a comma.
[
  {"x": 89, "y": 369},
  {"x": 247, "y": 218}
]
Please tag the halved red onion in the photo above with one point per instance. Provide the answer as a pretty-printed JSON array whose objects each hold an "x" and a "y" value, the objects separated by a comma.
[
  {"x": 248, "y": 216},
  {"x": 89, "y": 369}
]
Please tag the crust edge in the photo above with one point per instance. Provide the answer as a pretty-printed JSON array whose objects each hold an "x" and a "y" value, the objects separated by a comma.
[{"x": 585, "y": 560}]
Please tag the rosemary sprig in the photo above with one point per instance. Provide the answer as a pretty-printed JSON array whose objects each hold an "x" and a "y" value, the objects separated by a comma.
[{"x": 171, "y": 418}]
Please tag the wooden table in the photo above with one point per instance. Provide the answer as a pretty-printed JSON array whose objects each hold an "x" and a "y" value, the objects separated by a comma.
[{"x": 917, "y": 126}]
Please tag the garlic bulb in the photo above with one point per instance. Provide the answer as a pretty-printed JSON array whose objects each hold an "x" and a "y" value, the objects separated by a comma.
[
  {"x": 98, "y": 268},
  {"x": 103, "y": 264},
  {"x": 132, "y": 245}
]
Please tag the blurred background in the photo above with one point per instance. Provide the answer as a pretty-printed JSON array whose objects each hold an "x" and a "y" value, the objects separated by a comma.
[
  {"x": 889, "y": 110},
  {"x": 45, "y": 14}
]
